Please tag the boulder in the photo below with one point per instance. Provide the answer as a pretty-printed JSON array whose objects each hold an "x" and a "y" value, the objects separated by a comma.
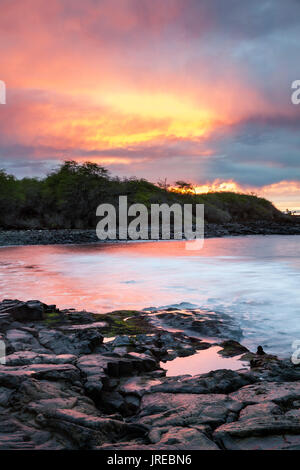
[
  {"x": 112, "y": 401},
  {"x": 93, "y": 389},
  {"x": 80, "y": 342},
  {"x": 231, "y": 348},
  {"x": 56, "y": 341},
  {"x": 20, "y": 340},
  {"x": 33, "y": 310}
]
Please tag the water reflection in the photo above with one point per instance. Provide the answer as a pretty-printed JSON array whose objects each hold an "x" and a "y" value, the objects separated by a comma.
[
  {"x": 202, "y": 362},
  {"x": 256, "y": 278}
]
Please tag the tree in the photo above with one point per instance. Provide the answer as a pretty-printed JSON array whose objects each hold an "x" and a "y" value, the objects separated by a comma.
[
  {"x": 163, "y": 184},
  {"x": 184, "y": 186}
]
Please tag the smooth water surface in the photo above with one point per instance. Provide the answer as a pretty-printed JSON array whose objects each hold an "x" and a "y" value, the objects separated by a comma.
[
  {"x": 202, "y": 362},
  {"x": 254, "y": 278}
]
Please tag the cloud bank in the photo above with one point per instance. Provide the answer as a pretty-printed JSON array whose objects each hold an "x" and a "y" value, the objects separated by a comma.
[{"x": 187, "y": 89}]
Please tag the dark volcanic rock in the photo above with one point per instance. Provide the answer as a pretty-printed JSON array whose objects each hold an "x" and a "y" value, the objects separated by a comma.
[
  {"x": 268, "y": 391},
  {"x": 181, "y": 409},
  {"x": 181, "y": 438},
  {"x": 112, "y": 401},
  {"x": 197, "y": 321},
  {"x": 231, "y": 348},
  {"x": 63, "y": 388},
  {"x": 86, "y": 431},
  {"x": 170, "y": 438},
  {"x": 22, "y": 340},
  {"x": 33, "y": 310},
  {"x": 267, "y": 433},
  {"x": 23, "y": 358},
  {"x": 77, "y": 236},
  {"x": 218, "y": 381}
]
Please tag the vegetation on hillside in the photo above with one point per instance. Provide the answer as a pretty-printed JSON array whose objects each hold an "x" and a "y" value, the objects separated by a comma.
[{"x": 69, "y": 195}]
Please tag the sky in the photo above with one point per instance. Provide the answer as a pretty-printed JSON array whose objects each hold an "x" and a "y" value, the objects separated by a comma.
[{"x": 196, "y": 90}]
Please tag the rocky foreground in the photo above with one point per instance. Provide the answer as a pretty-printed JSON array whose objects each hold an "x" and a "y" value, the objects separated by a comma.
[
  {"x": 76, "y": 236},
  {"x": 64, "y": 386}
]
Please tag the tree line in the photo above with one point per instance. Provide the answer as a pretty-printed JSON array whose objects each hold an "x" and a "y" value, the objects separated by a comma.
[{"x": 69, "y": 195}]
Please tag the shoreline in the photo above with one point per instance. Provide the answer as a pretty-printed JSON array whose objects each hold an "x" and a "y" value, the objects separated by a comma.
[
  {"x": 78, "y": 236},
  {"x": 64, "y": 387}
]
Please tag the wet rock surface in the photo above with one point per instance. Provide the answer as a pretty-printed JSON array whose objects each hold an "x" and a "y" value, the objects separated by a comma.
[
  {"x": 196, "y": 322},
  {"x": 63, "y": 387},
  {"x": 231, "y": 348}
]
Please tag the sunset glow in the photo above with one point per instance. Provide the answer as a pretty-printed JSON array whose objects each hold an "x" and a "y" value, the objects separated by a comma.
[
  {"x": 173, "y": 89},
  {"x": 283, "y": 194}
]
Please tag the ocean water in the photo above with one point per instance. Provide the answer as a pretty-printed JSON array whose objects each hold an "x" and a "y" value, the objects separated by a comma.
[{"x": 256, "y": 279}]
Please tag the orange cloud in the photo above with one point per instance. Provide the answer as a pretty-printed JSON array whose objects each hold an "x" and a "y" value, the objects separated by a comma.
[
  {"x": 130, "y": 82},
  {"x": 285, "y": 194},
  {"x": 117, "y": 85}
]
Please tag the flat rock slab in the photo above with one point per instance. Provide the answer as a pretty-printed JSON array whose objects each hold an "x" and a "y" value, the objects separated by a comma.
[
  {"x": 219, "y": 381},
  {"x": 284, "y": 442},
  {"x": 268, "y": 391},
  {"x": 168, "y": 409},
  {"x": 268, "y": 422},
  {"x": 89, "y": 326},
  {"x": 94, "y": 364},
  {"x": 184, "y": 438},
  {"x": 86, "y": 431},
  {"x": 12, "y": 376},
  {"x": 15, "y": 435},
  {"x": 23, "y": 358},
  {"x": 173, "y": 438},
  {"x": 265, "y": 433}
]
